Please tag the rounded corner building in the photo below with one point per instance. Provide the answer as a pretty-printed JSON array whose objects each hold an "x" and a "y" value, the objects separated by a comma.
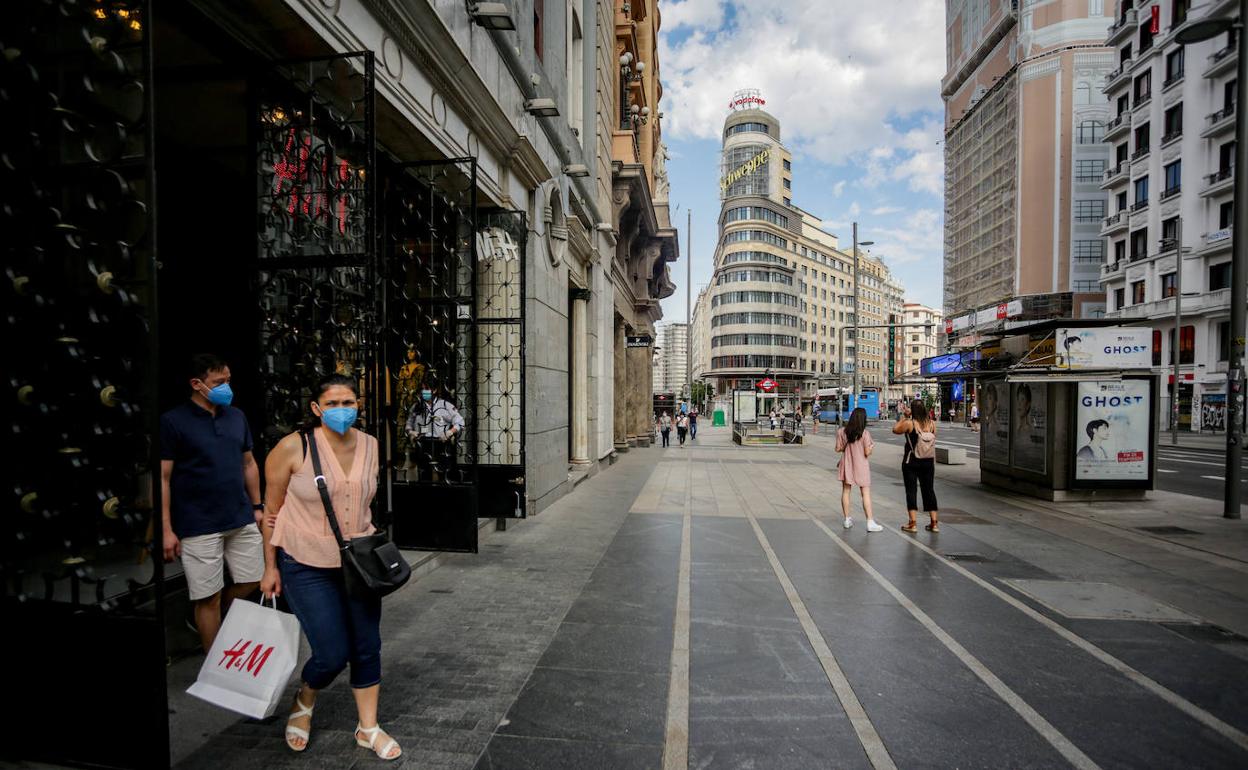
[{"x": 754, "y": 289}]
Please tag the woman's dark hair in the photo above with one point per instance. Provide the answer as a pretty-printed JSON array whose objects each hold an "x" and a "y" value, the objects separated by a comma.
[
  {"x": 1024, "y": 390},
  {"x": 856, "y": 426},
  {"x": 334, "y": 381},
  {"x": 918, "y": 411},
  {"x": 1092, "y": 427}
]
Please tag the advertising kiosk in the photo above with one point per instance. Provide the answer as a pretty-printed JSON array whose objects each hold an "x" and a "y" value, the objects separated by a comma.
[{"x": 1078, "y": 422}]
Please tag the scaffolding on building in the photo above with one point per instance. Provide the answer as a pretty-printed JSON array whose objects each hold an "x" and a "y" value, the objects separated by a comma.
[{"x": 981, "y": 153}]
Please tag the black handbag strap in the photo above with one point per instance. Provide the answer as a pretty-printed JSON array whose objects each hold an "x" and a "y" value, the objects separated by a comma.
[{"x": 310, "y": 439}]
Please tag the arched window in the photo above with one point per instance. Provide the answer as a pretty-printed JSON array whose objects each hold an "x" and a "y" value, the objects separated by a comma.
[{"x": 1091, "y": 132}]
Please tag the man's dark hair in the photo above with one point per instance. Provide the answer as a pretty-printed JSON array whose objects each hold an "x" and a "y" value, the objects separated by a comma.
[
  {"x": 203, "y": 363},
  {"x": 1092, "y": 427}
]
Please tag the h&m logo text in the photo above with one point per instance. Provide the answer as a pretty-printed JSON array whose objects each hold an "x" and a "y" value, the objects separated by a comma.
[{"x": 233, "y": 658}]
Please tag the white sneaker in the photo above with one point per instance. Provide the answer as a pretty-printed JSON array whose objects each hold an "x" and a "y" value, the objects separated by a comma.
[
  {"x": 848, "y": 523},
  {"x": 873, "y": 527}
]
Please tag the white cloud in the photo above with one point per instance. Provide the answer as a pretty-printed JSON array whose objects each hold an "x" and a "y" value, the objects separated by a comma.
[
  {"x": 847, "y": 80},
  {"x": 838, "y": 188},
  {"x": 697, "y": 14},
  {"x": 919, "y": 238},
  {"x": 880, "y": 211}
]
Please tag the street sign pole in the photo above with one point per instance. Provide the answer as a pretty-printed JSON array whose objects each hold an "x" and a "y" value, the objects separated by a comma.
[{"x": 1239, "y": 289}]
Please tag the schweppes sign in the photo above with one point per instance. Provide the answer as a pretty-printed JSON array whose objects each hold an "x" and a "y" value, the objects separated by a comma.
[{"x": 747, "y": 167}]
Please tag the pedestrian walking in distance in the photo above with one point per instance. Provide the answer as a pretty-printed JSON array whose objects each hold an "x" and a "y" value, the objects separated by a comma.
[
  {"x": 665, "y": 428},
  {"x": 693, "y": 424},
  {"x": 682, "y": 428},
  {"x": 210, "y": 504},
  {"x": 918, "y": 464},
  {"x": 855, "y": 444},
  {"x": 302, "y": 559}
]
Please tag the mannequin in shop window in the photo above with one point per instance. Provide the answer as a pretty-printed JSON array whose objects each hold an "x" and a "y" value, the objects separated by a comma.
[
  {"x": 434, "y": 425},
  {"x": 410, "y": 376}
]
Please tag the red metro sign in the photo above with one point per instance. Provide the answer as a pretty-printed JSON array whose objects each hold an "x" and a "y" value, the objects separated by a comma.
[{"x": 767, "y": 385}]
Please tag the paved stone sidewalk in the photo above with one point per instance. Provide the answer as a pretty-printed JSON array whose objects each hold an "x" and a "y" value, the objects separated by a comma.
[{"x": 703, "y": 607}]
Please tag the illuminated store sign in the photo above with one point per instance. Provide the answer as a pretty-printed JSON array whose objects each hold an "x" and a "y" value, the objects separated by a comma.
[{"x": 746, "y": 102}]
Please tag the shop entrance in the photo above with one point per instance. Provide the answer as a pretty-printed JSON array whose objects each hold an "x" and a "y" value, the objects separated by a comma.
[{"x": 168, "y": 191}]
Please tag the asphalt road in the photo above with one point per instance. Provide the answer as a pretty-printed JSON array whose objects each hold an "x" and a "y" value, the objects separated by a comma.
[{"x": 1198, "y": 472}]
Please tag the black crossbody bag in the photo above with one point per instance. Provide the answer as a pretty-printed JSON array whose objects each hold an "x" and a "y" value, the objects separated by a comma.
[{"x": 372, "y": 565}]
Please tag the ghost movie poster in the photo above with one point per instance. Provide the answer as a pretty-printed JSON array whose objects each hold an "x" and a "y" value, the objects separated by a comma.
[
  {"x": 1111, "y": 431},
  {"x": 994, "y": 415},
  {"x": 1029, "y": 451}
]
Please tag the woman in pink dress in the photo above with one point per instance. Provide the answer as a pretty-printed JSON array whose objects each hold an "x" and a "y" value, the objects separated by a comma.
[{"x": 855, "y": 445}]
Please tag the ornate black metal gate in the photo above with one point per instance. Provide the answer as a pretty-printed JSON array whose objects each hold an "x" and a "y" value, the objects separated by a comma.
[
  {"x": 316, "y": 260},
  {"x": 452, "y": 328},
  {"x": 82, "y": 597}
]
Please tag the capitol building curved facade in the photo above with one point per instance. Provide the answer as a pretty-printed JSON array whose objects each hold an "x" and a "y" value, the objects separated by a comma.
[{"x": 780, "y": 300}]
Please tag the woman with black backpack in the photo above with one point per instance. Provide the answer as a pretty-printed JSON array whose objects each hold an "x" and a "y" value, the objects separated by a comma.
[{"x": 918, "y": 463}]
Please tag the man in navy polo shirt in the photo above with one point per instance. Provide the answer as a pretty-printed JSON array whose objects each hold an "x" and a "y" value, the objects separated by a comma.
[{"x": 211, "y": 494}]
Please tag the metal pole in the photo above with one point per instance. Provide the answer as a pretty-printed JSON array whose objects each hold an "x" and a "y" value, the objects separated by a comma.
[
  {"x": 1178, "y": 333},
  {"x": 689, "y": 304},
  {"x": 1239, "y": 286},
  {"x": 855, "y": 377},
  {"x": 840, "y": 370}
]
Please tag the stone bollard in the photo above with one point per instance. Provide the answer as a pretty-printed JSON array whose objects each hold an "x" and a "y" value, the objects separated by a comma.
[{"x": 950, "y": 455}]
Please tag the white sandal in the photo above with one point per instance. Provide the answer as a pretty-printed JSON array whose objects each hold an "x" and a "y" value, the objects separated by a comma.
[
  {"x": 371, "y": 732},
  {"x": 298, "y": 732}
]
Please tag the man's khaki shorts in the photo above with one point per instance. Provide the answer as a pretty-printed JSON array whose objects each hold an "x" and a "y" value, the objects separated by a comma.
[{"x": 203, "y": 557}]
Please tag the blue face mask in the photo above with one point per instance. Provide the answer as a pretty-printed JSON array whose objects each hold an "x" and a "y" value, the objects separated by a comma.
[
  {"x": 426, "y": 395},
  {"x": 339, "y": 419},
  {"x": 221, "y": 395}
]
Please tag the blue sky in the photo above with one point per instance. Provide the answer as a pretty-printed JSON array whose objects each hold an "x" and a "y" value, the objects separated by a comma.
[{"x": 856, "y": 87}]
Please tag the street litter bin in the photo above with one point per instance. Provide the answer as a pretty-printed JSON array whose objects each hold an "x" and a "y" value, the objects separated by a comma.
[{"x": 718, "y": 418}]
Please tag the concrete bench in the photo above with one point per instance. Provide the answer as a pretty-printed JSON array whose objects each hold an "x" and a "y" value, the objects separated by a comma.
[{"x": 946, "y": 455}]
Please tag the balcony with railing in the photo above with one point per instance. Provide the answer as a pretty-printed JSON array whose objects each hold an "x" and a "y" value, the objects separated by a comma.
[
  {"x": 1114, "y": 223},
  {"x": 1140, "y": 152},
  {"x": 1222, "y": 60},
  {"x": 1115, "y": 175},
  {"x": 1117, "y": 125},
  {"x": 1170, "y": 192},
  {"x": 1220, "y": 122},
  {"x": 1172, "y": 79},
  {"x": 1117, "y": 77},
  {"x": 1124, "y": 26},
  {"x": 1141, "y": 100},
  {"x": 1170, "y": 137},
  {"x": 1139, "y": 205},
  {"x": 1219, "y": 181}
]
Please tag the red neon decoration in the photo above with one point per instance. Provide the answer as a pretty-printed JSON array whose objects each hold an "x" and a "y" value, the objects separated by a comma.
[
  {"x": 1154, "y": 25},
  {"x": 293, "y": 169}
]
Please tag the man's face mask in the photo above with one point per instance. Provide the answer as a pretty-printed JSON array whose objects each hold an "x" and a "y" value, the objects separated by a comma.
[
  {"x": 221, "y": 395},
  {"x": 426, "y": 395}
]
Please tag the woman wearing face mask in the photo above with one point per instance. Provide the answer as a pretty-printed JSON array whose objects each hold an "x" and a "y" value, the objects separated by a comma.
[{"x": 302, "y": 560}]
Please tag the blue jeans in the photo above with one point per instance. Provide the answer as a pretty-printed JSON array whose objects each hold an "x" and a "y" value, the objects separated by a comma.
[{"x": 340, "y": 628}]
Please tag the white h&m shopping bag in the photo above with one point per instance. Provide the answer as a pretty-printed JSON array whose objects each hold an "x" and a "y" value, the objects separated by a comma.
[{"x": 251, "y": 660}]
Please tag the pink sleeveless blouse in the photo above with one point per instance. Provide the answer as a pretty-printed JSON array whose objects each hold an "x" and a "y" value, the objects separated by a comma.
[{"x": 302, "y": 528}]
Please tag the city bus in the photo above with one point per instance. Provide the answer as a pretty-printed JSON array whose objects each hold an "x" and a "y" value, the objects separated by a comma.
[{"x": 835, "y": 406}]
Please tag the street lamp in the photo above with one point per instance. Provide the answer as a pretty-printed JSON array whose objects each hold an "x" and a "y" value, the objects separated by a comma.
[
  {"x": 1196, "y": 32},
  {"x": 858, "y": 243}
]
